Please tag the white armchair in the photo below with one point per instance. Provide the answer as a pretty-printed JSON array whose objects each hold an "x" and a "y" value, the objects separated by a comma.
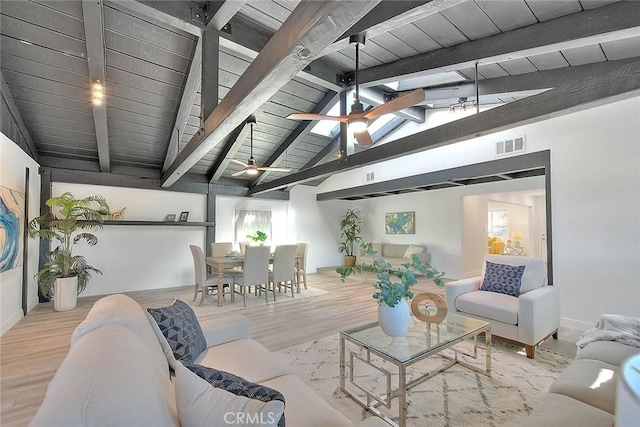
[{"x": 526, "y": 319}]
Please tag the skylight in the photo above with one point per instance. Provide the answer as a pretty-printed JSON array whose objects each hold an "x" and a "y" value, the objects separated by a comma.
[{"x": 328, "y": 127}]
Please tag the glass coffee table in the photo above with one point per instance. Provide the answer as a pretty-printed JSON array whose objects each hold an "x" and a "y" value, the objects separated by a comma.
[{"x": 423, "y": 340}]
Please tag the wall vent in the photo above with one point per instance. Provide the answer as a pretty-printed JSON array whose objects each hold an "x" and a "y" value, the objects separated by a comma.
[
  {"x": 368, "y": 177},
  {"x": 510, "y": 146}
]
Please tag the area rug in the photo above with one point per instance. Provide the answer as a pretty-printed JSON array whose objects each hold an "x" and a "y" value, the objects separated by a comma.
[
  {"x": 456, "y": 397},
  {"x": 210, "y": 305}
]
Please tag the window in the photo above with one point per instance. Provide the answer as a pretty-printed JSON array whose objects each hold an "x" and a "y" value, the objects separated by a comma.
[
  {"x": 248, "y": 222},
  {"x": 499, "y": 224}
]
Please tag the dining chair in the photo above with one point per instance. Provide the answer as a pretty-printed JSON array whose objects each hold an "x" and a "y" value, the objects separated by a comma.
[
  {"x": 255, "y": 272},
  {"x": 219, "y": 249},
  {"x": 301, "y": 263},
  {"x": 203, "y": 282},
  {"x": 284, "y": 268}
]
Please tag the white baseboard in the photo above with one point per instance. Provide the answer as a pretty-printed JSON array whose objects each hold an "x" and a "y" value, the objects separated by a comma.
[
  {"x": 11, "y": 321},
  {"x": 575, "y": 324}
]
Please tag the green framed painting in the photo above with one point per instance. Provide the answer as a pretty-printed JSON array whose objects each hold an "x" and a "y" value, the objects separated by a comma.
[{"x": 400, "y": 223}]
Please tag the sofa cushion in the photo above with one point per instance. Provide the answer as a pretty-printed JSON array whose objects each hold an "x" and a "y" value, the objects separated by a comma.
[
  {"x": 393, "y": 251},
  {"x": 589, "y": 381},
  {"x": 534, "y": 275},
  {"x": 106, "y": 380},
  {"x": 314, "y": 412},
  {"x": 164, "y": 344},
  {"x": 237, "y": 385},
  {"x": 412, "y": 249},
  {"x": 489, "y": 305},
  {"x": 556, "y": 410},
  {"x": 611, "y": 352},
  {"x": 122, "y": 310},
  {"x": 180, "y": 327},
  {"x": 200, "y": 404},
  {"x": 502, "y": 278},
  {"x": 246, "y": 358}
]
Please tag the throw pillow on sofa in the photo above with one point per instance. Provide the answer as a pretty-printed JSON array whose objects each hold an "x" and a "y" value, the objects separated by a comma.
[
  {"x": 200, "y": 404},
  {"x": 413, "y": 250},
  {"x": 181, "y": 329},
  {"x": 503, "y": 278},
  {"x": 237, "y": 385}
]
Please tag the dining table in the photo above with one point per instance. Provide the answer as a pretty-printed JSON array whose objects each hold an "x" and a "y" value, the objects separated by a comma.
[{"x": 220, "y": 263}]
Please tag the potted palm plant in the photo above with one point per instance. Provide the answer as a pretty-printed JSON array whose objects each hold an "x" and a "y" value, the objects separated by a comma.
[
  {"x": 66, "y": 275},
  {"x": 392, "y": 295},
  {"x": 350, "y": 229}
]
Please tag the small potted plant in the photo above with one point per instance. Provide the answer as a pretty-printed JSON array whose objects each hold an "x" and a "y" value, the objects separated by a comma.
[
  {"x": 66, "y": 275},
  {"x": 258, "y": 237},
  {"x": 350, "y": 229},
  {"x": 392, "y": 295}
]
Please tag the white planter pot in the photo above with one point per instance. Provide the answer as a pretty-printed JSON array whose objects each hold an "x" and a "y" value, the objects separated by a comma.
[
  {"x": 394, "y": 321},
  {"x": 65, "y": 294}
]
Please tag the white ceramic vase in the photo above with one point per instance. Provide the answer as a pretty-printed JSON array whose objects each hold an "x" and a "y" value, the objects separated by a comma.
[
  {"x": 65, "y": 294},
  {"x": 394, "y": 321}
]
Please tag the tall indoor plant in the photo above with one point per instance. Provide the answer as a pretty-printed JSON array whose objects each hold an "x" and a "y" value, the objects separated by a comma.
[
  {"x": 65, "y": 275},
  {"x": 350, "y": 229},
  {"x": 391, "y": 294}
]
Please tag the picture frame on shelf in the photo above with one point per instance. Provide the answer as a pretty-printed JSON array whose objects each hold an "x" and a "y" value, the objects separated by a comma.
[
  {"x": 171, "y": 218},
  {"x": 184, "y": 216}
]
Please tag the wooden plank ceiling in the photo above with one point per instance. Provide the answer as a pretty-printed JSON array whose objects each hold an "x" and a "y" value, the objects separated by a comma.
[{"x": 149, "y": 48}]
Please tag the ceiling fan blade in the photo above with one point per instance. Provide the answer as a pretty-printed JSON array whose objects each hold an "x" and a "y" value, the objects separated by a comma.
[
  {"x": 239, "y": 162},
  {"x": 363, "y": 138},
  {"x": 314, "y": 116},
  {"x": 405, "y": 101},
  {"x": 274, "y": 169},
  {"x": 239, "y": 172}
]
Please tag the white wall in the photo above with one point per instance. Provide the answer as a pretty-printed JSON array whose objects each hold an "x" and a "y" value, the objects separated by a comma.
[
  {"x": 141, "y": 257},
  {"x": 595, "y": 192},
  {"x": 13, "y": 162}
]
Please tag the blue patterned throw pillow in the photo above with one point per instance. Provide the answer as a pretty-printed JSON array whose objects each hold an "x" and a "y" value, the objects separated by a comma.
[
  {"x": 237, "y": 385},
  {"x": 180, "y": 327},
  {"x": 503, "y": 278}
]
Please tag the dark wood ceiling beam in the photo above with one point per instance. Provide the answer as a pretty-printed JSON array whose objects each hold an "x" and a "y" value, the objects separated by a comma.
[
  {"x": 189, "y": 94},
  {"x": 616, "y": 21},
  {"x": 93, "y": 32},
  {"x": 298, "y": 134},
  {"x": 310, "y": 28},
  {"x": 518, "y": 84},
  {"x": 17, "y": 117},
  {"x": 390, "y": 14},
  {"x": 219, "y": 13},
  {"x": 619, "y": 82},
  {"x": 237, "y": 137}
]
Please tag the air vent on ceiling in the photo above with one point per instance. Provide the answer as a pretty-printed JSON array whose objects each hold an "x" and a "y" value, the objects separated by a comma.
[
  {"x": 368, "y": 177},
  {"x": 510, "y": 146}
]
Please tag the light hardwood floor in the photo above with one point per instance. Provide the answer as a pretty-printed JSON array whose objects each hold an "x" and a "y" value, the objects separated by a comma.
[{"x": 32, "y": 351}]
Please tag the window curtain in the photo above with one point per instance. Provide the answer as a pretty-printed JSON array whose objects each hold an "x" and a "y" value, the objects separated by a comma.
[{"x": 249, "y": 221}]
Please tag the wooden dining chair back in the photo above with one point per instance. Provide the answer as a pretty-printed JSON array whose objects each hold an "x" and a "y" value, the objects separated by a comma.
[
  {"x": 301, "y": 263},
  {"x": 203, "y": 283},
  {"x": 255, "y": 271},
  {"x": 284, "y": 267}
]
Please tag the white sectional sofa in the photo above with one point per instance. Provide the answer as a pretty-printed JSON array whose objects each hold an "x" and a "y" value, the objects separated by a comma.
[
  {"x": 116, "y": 373},
  {"x": 396, "y": 255},
  {"x": 585, "y": 393}
]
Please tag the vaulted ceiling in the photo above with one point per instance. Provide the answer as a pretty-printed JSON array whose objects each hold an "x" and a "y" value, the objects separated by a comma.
[{"x": 181, "y": 78}]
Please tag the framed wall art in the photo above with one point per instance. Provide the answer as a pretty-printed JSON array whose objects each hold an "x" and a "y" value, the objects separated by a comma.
[
  {"x": 184, "y": 216},
  {"x": 400, "y": 223},
  {"x": 11, "y": 228}
]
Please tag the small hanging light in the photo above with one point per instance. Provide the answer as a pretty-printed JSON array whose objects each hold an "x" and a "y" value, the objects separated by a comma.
[{"x": 97, "y": 92}]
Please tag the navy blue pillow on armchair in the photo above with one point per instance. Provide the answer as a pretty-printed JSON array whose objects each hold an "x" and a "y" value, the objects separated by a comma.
[{"x": 503, "y": 278}]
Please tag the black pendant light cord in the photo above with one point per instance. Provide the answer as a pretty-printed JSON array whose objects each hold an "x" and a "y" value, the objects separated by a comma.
[
  {"x": 356, "y": 73},
  {"x": 251, "y": 155}
]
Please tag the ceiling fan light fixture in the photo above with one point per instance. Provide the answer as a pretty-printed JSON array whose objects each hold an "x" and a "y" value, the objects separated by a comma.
[
  {"x": 357, "y": 125},
  {"x": 252, "y": 170}
]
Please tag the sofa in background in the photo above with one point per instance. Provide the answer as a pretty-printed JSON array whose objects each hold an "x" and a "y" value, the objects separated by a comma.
[
  {"x": 585, "y": 393},
  {"x": 527, "y": 318},
  {"x": 117, "y": 374},
  {"x": 396, "y": 255}
]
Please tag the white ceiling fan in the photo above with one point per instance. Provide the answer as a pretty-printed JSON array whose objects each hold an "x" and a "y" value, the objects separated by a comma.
[
  {"x": 358, "y": 119},
  {"x": 250, "y": 168}
]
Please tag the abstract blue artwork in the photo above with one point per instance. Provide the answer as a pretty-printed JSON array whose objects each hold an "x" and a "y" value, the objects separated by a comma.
[
  {"x": 400, "y": 223},
  {"x": 11, "y": 228}
]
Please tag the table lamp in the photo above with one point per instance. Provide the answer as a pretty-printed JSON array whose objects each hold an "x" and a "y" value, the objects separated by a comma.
[{"x": 517, "y": 236}]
